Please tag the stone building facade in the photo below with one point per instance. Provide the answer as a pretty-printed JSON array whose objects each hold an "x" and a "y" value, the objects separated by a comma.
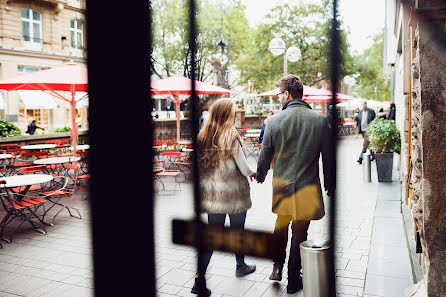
[
  {"x": 416, "y": 50},
  {"x": 36, "y": 35}
]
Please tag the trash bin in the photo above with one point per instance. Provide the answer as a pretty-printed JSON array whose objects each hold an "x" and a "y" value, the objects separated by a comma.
[
  {"x": 315, "y": 255},
  {"x": 366, "y": 167}
]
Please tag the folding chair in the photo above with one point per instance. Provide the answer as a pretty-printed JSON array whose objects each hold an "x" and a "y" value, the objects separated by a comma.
[
  {"x": 185, "y": 168},
  {"x": 170, "y": 157},
  {"x": 169, "y": 173},
  {"x": 22, "y": 209},
  {"x": 65, "y": 191},
  {"x": 9, "y": 145},
  {"x": 83, "y": 163}
]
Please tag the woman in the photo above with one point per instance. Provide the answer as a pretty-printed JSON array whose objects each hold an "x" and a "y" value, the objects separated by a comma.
[{"x": 224, "y": 186}]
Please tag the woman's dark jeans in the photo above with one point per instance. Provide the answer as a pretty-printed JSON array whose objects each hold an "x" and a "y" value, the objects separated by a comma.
[{"x": 237, "y": 220}]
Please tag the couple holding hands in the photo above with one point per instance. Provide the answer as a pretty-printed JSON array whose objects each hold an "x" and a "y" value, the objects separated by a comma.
[{"x": 294, "y": 138}]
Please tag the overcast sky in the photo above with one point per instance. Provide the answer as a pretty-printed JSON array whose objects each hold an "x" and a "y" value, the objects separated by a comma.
[{"x": 361, "y": 17}]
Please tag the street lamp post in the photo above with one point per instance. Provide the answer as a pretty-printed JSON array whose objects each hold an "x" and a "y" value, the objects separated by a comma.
[{"x": 277, "y": 47}]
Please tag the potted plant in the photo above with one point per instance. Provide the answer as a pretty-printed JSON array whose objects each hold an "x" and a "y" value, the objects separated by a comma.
[{"x": 384, "y": 139}]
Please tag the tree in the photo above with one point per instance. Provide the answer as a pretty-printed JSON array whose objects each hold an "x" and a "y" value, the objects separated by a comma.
[
  {"x": 306, "y": 26},
  {"x": 373, "y": 82},
  {"x": 171, "y": 53}
]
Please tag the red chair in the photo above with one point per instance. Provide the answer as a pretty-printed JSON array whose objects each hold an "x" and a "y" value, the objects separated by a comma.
[
  {"x": 20, "y": 207},
  {"x": 9, "y": 145},
  {"x": 169, "y": 157},
  {"x": 52, "y": 141},
  {"x": 62, "y": 195},
  {"x": 170, "y": 173}
]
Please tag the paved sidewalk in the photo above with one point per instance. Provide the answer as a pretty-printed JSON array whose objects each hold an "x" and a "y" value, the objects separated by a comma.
[
  {"x": 371, "y": 253},
  {"x": 356, "y": 222}
]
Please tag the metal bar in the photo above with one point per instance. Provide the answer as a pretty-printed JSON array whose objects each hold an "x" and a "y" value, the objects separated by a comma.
[
  {"x": 335, "y": 61},
  {"x": 195, "y": 129},
  {"x": 409, "y": 132}
]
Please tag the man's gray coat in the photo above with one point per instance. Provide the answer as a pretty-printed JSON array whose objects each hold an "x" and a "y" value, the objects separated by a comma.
[{"x": 295, "y": 138}]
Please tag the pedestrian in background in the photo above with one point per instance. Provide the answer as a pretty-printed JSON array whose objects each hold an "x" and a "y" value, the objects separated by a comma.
[
  {"x": 357, "y": 123},
  {"x": 31, "y": 129},
  {"x": 366, "y": 115},
  {"x": 224, "y": 185},
  {"x": 295, "y": 139},
  {"x": 204, "y": 116},
  {"x": 268, "y": 114},
  {"x": 392, "y": 111},
  {"x": 381, "y": 114}
]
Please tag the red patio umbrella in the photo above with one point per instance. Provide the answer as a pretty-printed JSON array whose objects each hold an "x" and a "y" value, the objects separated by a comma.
[
  {"x": 311, "y": 95},
  {"x": 69, "y": 78},
  {"x": 308, "y": 93},
  {"x": 177, "y": 85}
]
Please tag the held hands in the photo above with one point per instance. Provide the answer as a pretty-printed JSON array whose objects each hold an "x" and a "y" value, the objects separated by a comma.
[{"x": 254, "y": 176}]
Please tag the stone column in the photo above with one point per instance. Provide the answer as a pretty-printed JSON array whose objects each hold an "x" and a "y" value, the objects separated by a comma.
[{"x": 240, "y": 112}]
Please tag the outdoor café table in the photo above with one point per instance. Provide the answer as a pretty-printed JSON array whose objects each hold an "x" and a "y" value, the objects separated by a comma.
[
  {"x": 23, "y": 182},
  {"x": 253, "y": 131},
  {"x": 81, "y": 147},
  {"x": 252, "y": 135},
  {"x": 53, "y": 162},
  {"x": 43, "y": 146},
  {"x": 185, "y": 142},
  {"x": 56, "y": 160}
]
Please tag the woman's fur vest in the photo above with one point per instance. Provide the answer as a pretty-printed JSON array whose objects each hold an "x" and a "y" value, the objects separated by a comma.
[{"x": 224, "y": 189}]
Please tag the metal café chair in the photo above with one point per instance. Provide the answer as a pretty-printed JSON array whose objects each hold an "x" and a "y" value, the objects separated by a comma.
[
  {"x": 63, "y": 195},
  {"x": 19, "y": 207}
]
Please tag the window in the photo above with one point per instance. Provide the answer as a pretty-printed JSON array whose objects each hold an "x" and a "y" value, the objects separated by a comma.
[
  {"x": 77, "y": 38},
  {"x": 32, "y": 29},
  {"x": 75, "y": 3},
  {"x": 26, "y": 69}
]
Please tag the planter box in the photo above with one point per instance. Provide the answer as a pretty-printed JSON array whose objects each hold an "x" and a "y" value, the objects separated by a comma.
[{"x": 384, "y": 166}]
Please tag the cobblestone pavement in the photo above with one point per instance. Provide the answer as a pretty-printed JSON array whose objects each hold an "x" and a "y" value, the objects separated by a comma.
[{"x": 60, "y": 263}]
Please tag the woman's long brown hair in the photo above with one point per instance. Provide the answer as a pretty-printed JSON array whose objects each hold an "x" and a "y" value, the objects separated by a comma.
[{"x": 218, "y": 135}]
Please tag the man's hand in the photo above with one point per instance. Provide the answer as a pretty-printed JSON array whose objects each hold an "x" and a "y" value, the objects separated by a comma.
[{"x": 253, "y": 176}]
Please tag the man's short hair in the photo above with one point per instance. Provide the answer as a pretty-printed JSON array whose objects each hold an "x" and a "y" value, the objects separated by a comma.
[{"x": 292, "y": 84}]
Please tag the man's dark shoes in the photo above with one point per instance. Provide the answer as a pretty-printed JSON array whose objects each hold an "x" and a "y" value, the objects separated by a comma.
[
  {"x": 359, "y": 161},
  {"x": 277, "y": 272},
  {"x": 244, "y": 269},
  {"x": 294, "y": 285},
  {"x": 196, "y": 288}
]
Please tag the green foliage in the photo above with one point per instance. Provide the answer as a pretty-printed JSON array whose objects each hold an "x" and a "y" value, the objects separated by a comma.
[
  {"x": 305, "y": 26},
  {"x": 170, "y": 35},
  {"x": 373, "y": 82},
  {"x": 8, "y": 129},
  {"x": 61, "y": 130},
  {"x": 384, "y": 136}
]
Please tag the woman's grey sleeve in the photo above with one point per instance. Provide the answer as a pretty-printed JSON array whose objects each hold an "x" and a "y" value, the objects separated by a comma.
[{"x": 240, "y": 160}]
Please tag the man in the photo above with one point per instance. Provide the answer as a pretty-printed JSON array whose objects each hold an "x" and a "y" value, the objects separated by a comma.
[
  {"x": 32, "y": 128},
  {"x": 295, "y": 138},
  {"x": 366, "y": 115}
]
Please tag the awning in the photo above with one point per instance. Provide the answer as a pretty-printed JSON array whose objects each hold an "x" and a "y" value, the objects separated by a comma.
[
  {"x": 82, "y": 103},
  {"x": 37, "y": 100},
  {"x": 2, "y": 101},
  {"x": 79, "y": 95}
]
